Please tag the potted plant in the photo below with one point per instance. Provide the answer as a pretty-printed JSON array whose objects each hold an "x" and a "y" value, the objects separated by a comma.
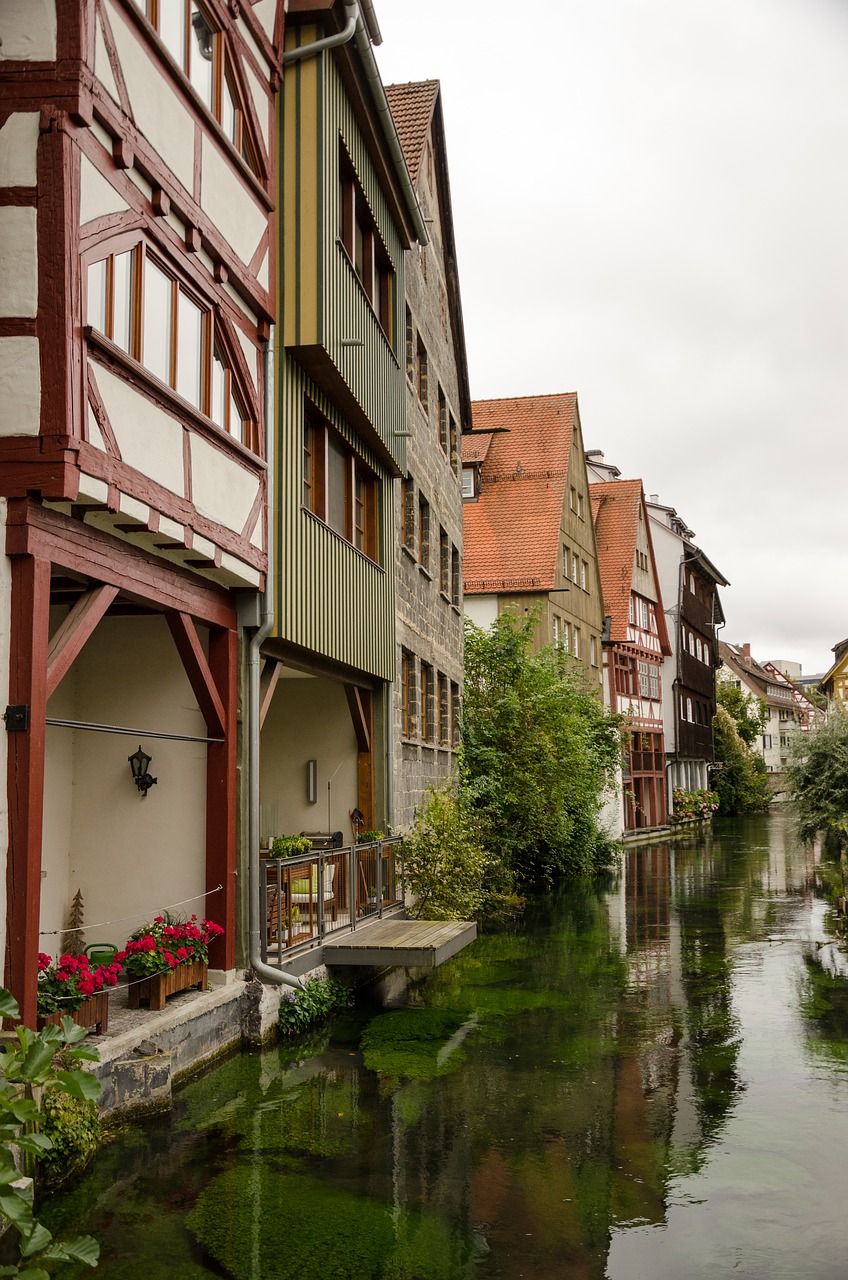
[
  {"x": 290, "y": 846},
  {"x": 69, "y": 986},
  {"x": 167, "y": 956}
]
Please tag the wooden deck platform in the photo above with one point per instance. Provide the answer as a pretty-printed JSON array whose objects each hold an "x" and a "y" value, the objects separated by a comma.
[{"x": 403, "y": 944}]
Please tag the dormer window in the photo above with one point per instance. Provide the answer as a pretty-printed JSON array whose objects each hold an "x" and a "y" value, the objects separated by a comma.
[{"x": 469, "y": 482}]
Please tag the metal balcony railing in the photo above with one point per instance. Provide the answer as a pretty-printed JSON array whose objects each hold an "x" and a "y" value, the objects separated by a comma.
[{"x": 327, "y": 891}]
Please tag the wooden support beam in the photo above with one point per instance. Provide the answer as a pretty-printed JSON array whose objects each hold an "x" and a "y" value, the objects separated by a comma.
[
  {"x": 359, "y": 702},
  {"x": 71, "y": 636},
  {"x": 28, "y": 634},
  {"x": 199, "y": 673},
  {"x": 271, "y": 672}
]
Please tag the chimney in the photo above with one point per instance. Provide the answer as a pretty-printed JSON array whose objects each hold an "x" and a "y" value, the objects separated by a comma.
[{"x": 746, "y": 651}]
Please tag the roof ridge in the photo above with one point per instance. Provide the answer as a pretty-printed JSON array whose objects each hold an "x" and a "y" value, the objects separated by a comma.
[{"x": 542, "y": 395}]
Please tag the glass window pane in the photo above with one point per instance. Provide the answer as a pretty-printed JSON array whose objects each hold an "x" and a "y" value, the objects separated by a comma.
[
  {"x": 158, "y": 291},
  {"x": 219, "y": 390},
  {"x": 189, "y": 349},
  {"x": 228, "y": 112},
  {"x": 122, "y": 300},
  {"x": 336, "y": 485},
  {"x": 172, "y": 29},
  {"x": 202, "y": 53},
  {"x": 236, "y": 421},
  {"x": 96, "y": 311}
]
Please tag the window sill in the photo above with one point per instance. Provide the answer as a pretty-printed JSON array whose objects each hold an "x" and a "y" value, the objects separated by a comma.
[
  {"x": 425, "y": 571},
  {"x": 408, "y": 551},
  {"x": 445, "y": 596}
]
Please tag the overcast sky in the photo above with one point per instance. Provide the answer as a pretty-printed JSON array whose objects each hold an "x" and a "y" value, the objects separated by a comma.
[{"x": 651, "y": 207}]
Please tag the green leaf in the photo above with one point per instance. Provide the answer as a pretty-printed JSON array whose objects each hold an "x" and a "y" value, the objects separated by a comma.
[
  {"x": 33, "y": 1273},
  {"x": 36, "y": 1143},
  {"x": 18, "y": 1210},
  {"x": 23, "y": 1109},
  {"x": 84, "y": 1053},
  {"x": 37, "y": 1062},
  {"x": 72, "y": 1033},
  {"x": 8, "y": 1004},
  {"x": 79, "y": 1084},
  {"x": 39, "y": 1238},
  {"x": 83, "y": 1249}
]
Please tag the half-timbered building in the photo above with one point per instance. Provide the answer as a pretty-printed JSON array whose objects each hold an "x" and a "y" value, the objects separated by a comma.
[
  {"x": 428, "y": 501},
  {"x": 635, "y": 644},
  {"x": 770, "y": 688},
  {"x": 137, "y": 268},
  {"x": 529, "y": 538},
  {"x": 349, "y": 213}
]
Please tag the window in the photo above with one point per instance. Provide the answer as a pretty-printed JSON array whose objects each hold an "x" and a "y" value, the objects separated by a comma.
[
  {"x": 556, "y": 628},
  {"x": 421, "y": 372},
  {"x": 566, "y": 561},
  {"x": 195, "y": 44},
  {"x": 338, "y": 487},
  {"x": 572, "y": 498},
  {"x": 575, "y": 645},
  {"x": 444, "y": 711},
  {"x": 580, "y": 506},
  {"x": 364, "y": 247},
  {"x": 584, "y": 575},
  {"x": 454, "y": 443},
  {"x": 593, "y": 651},
  {"x": 444, "y": 435},
  {"x": 408, "y": 703},
  {"x": 689, "y": 709},
  {"x": 469, "y": 485},
  {"x": 423, "y": 532},
  {"x": 575, "y": 566},
  {"x": 444, "y": 563},
  {"x": 565, "y": 636},
  {"x": 147, "y": 311},
  {"x": 456, "y": 578},
  {"x": 410, "y": 347},
  {"x": 455, "y": 710},
  {"x": 408, "y": 500},
  {"x": 644, "y": 681},
  {"x": 428, "y": 696},
  {"x": 655, "y": 681}
]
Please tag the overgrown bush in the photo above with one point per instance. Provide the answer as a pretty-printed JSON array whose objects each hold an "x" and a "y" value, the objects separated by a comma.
[
  {"x": 817, "y": 778},
  {"x": 448, "y": 871},
  {"x": 73, "y": 1127},
  {"x": 538, "y": 750},
  {"x": 739, "y": 775},
  {"x": 316, "y": 1000}
]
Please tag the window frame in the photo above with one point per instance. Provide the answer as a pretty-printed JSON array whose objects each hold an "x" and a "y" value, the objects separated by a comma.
[
  {"x": 360, "y": 498},
  {"x": 365, "y": 249}
]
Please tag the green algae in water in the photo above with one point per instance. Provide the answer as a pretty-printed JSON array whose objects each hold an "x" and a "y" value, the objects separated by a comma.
[
  {"x": 407, "y": 1044},
  {"x": 260, "y": 1222}
]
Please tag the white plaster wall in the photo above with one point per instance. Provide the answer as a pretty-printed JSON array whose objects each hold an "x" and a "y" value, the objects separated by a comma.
[
  {"x": 20, "y": 387},
  {"x": 265, "y": 11},
  {"x": 308, "y": 720},
  {"x": 481, "y": 610},
  {"x": 159, "y": 113},
  {"x": 234, "y": 212},
  {"x": 18, "y": 262},
  {"x": 28, "y": 30},
  {"x": 5, "y": 610},
  {"x": 18, "y": 144},
  {"x": 149, "y": 439},
  {"x": 221, "y": 490},
  {"x": 130, "y": 856},
  {"x": 97, "y": 196}
]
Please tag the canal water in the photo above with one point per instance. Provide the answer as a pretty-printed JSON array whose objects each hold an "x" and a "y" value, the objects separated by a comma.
[{"x": 642, "y": 1079}]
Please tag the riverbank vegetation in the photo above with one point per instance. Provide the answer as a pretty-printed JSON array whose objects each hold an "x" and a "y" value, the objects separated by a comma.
[
  {"x": 739, "y": 776},
  {"x": 538, "y": 750},
  {"x": 817, "y": 779}
]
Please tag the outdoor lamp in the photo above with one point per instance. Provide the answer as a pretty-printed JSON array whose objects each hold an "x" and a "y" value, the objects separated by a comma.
[
  {"x": 312, "y": 781},
  {"x": 140, "y": 763}
]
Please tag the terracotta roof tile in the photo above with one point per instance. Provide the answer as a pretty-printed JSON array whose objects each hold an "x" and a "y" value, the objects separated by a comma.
[
  {"x": 412, "y": 109},
  {"x": 512, "y": 531},
  {"x": 475, "y": 445}
]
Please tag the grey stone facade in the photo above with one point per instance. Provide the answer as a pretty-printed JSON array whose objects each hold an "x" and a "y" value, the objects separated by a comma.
[{"x": 428, "y": 510}]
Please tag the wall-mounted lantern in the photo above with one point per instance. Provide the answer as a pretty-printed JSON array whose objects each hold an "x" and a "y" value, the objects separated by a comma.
[
  {"x": 140, "y": 764},
  {"x": 312, "y": 781}
]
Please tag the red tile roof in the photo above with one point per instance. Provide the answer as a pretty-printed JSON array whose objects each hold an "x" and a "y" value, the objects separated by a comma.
[
  {"x": 615, "y": 511},
  {"x": 412, "y": 109},
  {"x": 475, "y": 446},
  {"x": 512, "y": 531}
]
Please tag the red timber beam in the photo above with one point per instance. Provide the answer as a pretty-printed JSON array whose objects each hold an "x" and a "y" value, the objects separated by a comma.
[
  {"x": 361, "y": 705},
  {"x": 70, "y": 638},
  {"x": 28, "y": 635}
]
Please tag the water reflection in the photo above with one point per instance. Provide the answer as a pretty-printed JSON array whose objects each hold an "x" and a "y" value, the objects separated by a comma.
[{"x": 641, "y": 1080}]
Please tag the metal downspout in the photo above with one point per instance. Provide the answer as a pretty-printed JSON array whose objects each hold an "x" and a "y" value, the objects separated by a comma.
[
  {"x": 328, "y": 42},
  {"x": 262, "y": 970}
]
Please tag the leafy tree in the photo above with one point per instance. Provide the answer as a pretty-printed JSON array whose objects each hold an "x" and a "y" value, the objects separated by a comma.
[
  {"x": 818, "y": 779},
  {"x": 750, "y": 714},
  {"x": 538, "y": 750},
  {"x": 739, "y": 775}
]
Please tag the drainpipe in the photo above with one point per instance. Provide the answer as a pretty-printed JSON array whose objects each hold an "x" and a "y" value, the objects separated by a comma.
[
  {"x": 262, "y": 970},
  {"x": 328, "y": 42}
]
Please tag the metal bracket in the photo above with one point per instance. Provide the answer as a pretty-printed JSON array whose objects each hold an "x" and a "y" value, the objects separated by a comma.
[{"x": 16, "y": 718}]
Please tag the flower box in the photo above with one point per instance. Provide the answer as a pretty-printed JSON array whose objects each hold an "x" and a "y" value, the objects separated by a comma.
[
  {"x": 155, "y": 989},
  {"x": 94, "y": 1012}
]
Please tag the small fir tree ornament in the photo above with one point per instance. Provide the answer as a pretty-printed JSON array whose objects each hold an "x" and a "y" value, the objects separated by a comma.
[{"x": 72, "y": 939}]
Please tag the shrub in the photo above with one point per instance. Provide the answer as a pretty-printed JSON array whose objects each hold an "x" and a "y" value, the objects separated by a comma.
[
  {"x": 740, "y": 776},
  {"x": 290, "y": 846},
  {"x": 818, "y": 779},
  {"x": 317, "y": 999},
  {"x": 73, "y": 1127},
  {"x": 694, "y": 804}
]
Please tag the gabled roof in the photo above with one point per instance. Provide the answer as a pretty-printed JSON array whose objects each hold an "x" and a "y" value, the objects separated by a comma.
[
  {"x": 616, "y": 505},
  {"x": 512, "y": 531},
  {"x": 475, "y": 446},
  {"x": 412, "y": 108},
  {"x": 749, "y": 670}
]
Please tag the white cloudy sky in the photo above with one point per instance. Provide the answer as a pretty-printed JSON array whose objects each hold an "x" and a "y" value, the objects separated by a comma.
[{"x": 651, "y": 208}]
